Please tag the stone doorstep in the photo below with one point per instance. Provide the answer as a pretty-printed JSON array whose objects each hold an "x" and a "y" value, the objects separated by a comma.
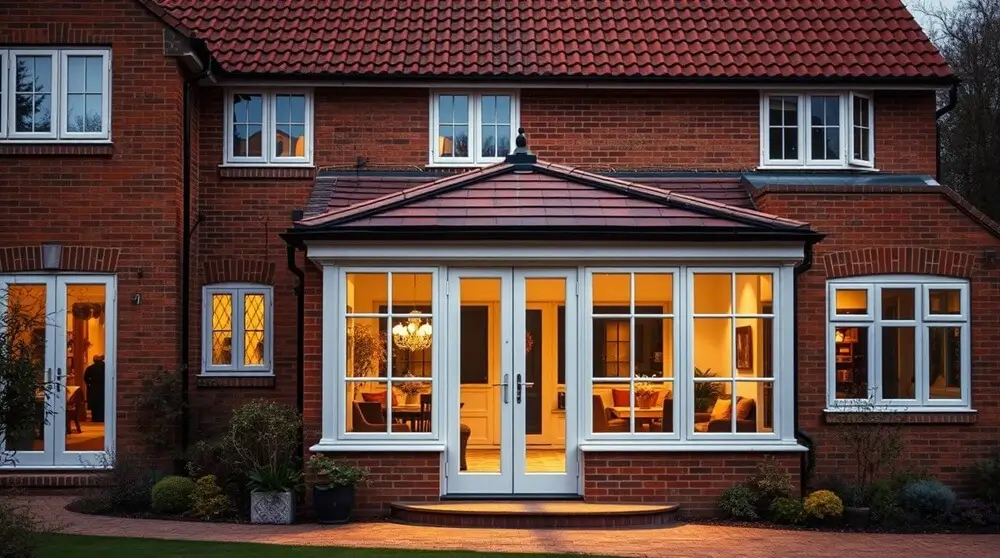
[{"x": 533, "y": 514}]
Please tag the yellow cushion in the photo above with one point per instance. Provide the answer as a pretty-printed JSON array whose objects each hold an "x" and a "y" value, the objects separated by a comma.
[{"x": 723, "y": 409}]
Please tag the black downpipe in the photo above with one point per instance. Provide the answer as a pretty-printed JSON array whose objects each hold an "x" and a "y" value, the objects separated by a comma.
[
  {"x": 187, "y": 232},
  {"x": 300, "y": 328},
  {"x": 952, "y": 102},
  {"x": 807, "y": 459}
]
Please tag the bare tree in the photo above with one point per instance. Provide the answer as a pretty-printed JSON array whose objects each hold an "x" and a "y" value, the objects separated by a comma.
[{"x": 968, "y": 35}]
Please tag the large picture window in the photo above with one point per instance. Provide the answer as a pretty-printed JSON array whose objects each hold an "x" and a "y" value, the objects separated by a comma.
[
  {"x": 900, "y": 341},
  {"x": 237, "y": 326},
  {"x": 817, "y": 130},
  {"x": 388, "y": 353}
]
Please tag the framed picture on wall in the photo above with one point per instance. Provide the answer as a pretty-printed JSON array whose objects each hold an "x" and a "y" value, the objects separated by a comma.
[{"x": 744, "y": 348}]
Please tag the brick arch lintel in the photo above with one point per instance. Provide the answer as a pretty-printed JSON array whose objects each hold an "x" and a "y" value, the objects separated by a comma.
[
  {"x": 234, "y": 270},
  {"x": 14, "y": 259},
  {"x": 889, "y": 260}
]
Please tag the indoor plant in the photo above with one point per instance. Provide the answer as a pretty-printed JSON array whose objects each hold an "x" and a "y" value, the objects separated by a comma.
[
  {"x": 411, "y": 390},
  {"x": 705, "y": 393},
  {"x": 333, "y": 493}
]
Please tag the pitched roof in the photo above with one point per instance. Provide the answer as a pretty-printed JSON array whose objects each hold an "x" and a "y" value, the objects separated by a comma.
[
  {"x": 678, "y": 39},
  {"x": 538, "y": 195}
]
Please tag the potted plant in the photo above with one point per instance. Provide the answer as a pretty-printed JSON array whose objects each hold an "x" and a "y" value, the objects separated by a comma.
[
  {"x": 705, "y": 393},
  {"x": 272, "y": 493},
  {"x": 333, "y": 493},
  {"x": 411, "y": 390},
  {"x": 645, "y": 394}
]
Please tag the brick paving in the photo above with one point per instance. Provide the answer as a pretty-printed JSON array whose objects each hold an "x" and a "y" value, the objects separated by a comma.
[{"x": 680, "y": 540}]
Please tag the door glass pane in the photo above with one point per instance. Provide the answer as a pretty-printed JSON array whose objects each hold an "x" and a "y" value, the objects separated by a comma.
[
  {"x": 945, "y": 362},
  {"x": 22, "y": 330},
  {"x": 481, "y": 397},
  {"x": 85, "y": 371},
  {"x": 898, "y": 364},
  {"x": 544, "y": 421}
]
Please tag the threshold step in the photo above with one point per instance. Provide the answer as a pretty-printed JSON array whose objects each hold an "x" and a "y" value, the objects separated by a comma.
[{"x": 533, "y": 514}]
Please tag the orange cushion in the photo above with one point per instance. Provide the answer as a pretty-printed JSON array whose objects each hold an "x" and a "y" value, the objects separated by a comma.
[
  {"x": 744, "y": 406},
  {"x": 378, "y": 396},
  {"x": 619, "y": 397},
  {"x": 723, "y": 409}
]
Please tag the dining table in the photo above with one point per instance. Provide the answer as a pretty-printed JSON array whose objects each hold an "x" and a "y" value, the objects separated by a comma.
[{"x": 643, "y": 416}]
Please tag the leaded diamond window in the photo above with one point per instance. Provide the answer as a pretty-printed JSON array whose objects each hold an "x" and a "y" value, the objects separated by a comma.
[{"x": 238, "y": 335}]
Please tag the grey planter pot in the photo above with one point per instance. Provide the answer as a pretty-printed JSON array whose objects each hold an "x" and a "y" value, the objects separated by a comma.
[{"x": 275, "y": 508}]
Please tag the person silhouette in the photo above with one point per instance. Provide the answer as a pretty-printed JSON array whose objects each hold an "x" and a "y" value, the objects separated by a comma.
[{"x": 93, "y": 377}]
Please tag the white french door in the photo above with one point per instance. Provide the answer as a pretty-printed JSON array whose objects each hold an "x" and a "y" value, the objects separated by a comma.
[
  {"x": 64, "y": 327},
  {"x": 512, "y": 358}
]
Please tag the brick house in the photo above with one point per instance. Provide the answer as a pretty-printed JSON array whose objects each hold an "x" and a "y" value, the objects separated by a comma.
[{"x": 720, "y": 228}]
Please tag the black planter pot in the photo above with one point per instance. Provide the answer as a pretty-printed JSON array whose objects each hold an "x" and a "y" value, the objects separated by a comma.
[
  {"x": 857, "y": 518},
  {"x": 333, "y": 504}
]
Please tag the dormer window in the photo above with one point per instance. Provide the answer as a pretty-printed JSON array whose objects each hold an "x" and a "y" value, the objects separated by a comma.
[
  {"x": 817, "y": 130},
  {"x": 470, "y": 129}
]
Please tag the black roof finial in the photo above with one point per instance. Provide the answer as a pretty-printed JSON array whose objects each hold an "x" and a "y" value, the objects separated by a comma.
[
  {"x": 522, "y": 140},
  {"x": 521, "y": 155}
]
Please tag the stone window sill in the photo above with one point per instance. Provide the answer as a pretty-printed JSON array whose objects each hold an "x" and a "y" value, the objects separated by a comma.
[{"x": 100, "y": 149}]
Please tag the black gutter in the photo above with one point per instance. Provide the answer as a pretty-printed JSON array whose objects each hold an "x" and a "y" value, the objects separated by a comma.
[
  {"x": 952, "y": 102},
  {"x": 187, "y": 232},
  {"x": 808, "y": 459},
  {"x": 300, "y": 328}
]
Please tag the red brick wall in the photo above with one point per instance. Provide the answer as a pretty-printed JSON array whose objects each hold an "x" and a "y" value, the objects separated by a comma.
[
  {"x": 856, "y": 220},
  {"x": 395, "y": 477},
  {"x": 125, "y": 196},
  {"x": 693, "y": 480},
  {"x": 905, "y": 132}
]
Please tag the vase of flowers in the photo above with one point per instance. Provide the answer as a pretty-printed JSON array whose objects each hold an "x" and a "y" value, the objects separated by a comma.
[
  {"x": 645, "y": 394},
  {"x": 411, "y": 390}
]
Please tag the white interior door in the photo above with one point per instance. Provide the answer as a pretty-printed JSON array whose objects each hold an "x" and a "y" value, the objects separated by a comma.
[{"x": 502, "y": 388}]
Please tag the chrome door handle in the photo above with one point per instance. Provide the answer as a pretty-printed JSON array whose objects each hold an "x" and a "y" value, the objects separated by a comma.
[{"x": 505, "y": 383}]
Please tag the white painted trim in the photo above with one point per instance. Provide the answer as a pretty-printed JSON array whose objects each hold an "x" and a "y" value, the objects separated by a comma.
[
  {"x": 688, "y": 447},
  {"x": 267, "y": 156},
  {"x": 64, "y": 95},
  {"x": 4, "y": 93},
  {"x": 236, "y": 368},
  {"x": 475, "y": 97},
  {"x": 639, "y": 254},
  {"x": 325, "y": 445},
  {"x": 54, "y": 100},
  {"x": 870, "y": 163}
]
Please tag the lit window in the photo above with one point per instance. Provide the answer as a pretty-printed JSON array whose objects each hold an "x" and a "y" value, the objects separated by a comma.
[
  {"x": 55, "y": 94},
  {"x": 237, "y": 329},
  {"x": 268, "y": 128},
  {"x": 899, "y": 342},
  {"x": 833, "y": 130},
  {"x": 472, "y": 128}
]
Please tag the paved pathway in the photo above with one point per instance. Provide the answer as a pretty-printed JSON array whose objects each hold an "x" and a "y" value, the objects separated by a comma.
[{"x": 676, "y": 541}]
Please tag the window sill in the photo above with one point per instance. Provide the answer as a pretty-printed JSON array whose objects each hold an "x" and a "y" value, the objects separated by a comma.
[
  {"x": 234, "y": 380},
  {"x": 267, "y": 171},
  {"x": 815, "y": 168},
  {"x": 653, "y": 446},
  {"x": 103, "y": 148},
  {"x": 903, "y": 416},
  {"x": 335, "y": 446}
]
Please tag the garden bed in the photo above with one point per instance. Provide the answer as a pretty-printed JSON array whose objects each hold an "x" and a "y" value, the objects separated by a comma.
[{"x": 908, "y": 529}]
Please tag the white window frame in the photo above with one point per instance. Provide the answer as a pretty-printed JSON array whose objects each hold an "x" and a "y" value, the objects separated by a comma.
[
  {"x": 64, "y": 94},
  {"x": 805, "y": 160},
  {"x": 922, "y": 321},
  {"x": 236, "y": 366},
  {"x": 438, "y": 321},
  {"x": 58, "y": 133},
  {"x": 475, "y": 127},
  {"x": 268, "y": 125}
]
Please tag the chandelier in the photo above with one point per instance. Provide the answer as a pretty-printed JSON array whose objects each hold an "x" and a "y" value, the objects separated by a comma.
[{"x": 412, "y": 335}]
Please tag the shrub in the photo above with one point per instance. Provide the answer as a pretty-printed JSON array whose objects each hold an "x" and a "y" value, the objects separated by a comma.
[
  {"x": 901, "y": 479},
  {"x": 208, "y": 500},
  {"x": 172, "y": 495},
  {"x": 823, "y": 504},
  {"x": 770, "y": 482},
  {"x": 837, "y": 485},
  {"x": 274, "y": 478},
  {"x": 928, "y": 498},
  {"x": 19, "y": 529},
  {"x": 987, "y": 478},
  {"x": 787, "y": 511},
  {"x": 160, "y": 406},
  {"x": 739, "y": 502},
  {"x": 972, "y": 513},
  {"x": 333, "y": 473},
  {"x": 884, "y": 504},
  {"x": 126, "y": 486},
  {"x": 263, "y": 434}
]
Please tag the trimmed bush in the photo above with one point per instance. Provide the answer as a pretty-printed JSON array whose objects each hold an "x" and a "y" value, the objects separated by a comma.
[
  {"x": 787, "y": 511},
  {"x": 207, "y": 499},
  {"x": 172, "y": 495},
  {"x": 739, "y": 502},
  {"x": 884, "y": 505},
  {"x": 823, "y": 504},
  {"x": 770, "y": 482},
  {"x": 987, "y": 476},
  {"x": 929, "y": 498}
]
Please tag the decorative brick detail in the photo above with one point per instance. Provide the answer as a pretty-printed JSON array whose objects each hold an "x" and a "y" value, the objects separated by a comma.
[
  {"x": 902, "y": 418},
  {"x": 239, "y": 271},
  {"x": 267, "y": 172},
  {"x": 73, "y": 258},
  {"x": 41, "y": 480},
  {"x": 20, "y": 149},
  {"x": 899, "y": 259},
  {"x": 235, "y": 382}
]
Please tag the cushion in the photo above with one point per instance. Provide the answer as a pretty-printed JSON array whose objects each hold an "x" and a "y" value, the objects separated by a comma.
[
  {"x": 619, "y": 397},
  {"x": 378, "y": 396},
  {"x": 723, "y": 409},
  {"x": 744, "y": 408}
]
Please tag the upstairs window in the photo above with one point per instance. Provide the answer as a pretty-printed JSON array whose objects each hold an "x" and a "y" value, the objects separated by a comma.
[
  {"x": 268, "y": 128},
  {"x": 821, "y": 130},
  {"x": 472, "y": 128},
  {"x": 55, "y": 94}
]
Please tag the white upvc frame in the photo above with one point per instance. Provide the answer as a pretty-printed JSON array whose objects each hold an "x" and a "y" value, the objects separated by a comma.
[
  {"x": 475, "y": 127},
  {"x": 4, "y": 93},
  {"x": 921, "y": 322},
  {"x": 268, "y": 127},
  {"x": 54, "y": 100},
  {"x": 805, "y": 160},
  {"x": 104, "y": 132},
  {"x": 335, "y": 360},
  {"x": 236, "y": 367}
]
